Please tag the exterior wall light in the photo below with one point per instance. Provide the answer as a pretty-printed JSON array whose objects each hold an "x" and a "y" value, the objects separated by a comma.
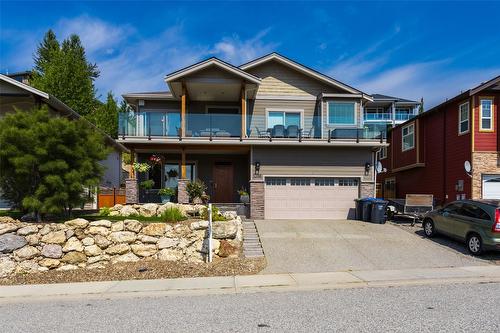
[{"x": 257, "y": 168}]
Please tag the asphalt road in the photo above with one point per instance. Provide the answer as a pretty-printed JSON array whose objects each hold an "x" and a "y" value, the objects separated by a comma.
[{"x": 444, "y": 308}]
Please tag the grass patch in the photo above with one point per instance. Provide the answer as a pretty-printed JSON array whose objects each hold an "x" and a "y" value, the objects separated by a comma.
[{"x": 172, "y": 214}]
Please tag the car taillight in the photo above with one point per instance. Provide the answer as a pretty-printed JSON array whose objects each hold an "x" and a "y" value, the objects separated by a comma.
[{"x": 496, "y": 223}]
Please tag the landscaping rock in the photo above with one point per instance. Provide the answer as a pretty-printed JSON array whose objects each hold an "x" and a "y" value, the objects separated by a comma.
[
  {"x": 74, "y": 258},
  {"x": 103, "y": 231},
  {"x": 70, "y": 233},
  {"x": 117, "y": 226},
  {"x": 133, "y": 225},
  {"x": 54, "y": 237},
  {"x": 230, "y": 214},
  {"x": 161, "y": 209},
  {"x": 118, "y": 249},
  {"x": 114, "y": 213},
  {"x": 128, "y": 211},
  {"x": 147, "y": 239},
  {"x": 202, "y": 246},
  {"x": 11, "y": 242},
  {"x": 102, "y": 257},
  {"x": 144, "y": 250},
  {"x": 101, "y": 223},
  {"x": 28, "y": 230},
  {"x": 27, "y": 267},
  {"x": 88, "y": 241},
  {"x": 80, "y": 234},
  {"x": 199, "y": 225},
  {"x": 73, "y": 244},
  {"x": 226, "y": 249},
  {"x": 148, "y": 210},
  {"x": 7, "y": 219},
  {"x": 123, "y": 237},
  {"x": 101, "y": 241},
  {"x": 52, "y": 251},
  {"x": 224, "y": 229},
  {"x": 8, "y": 227},
  {"x": 33, "y": 239},
  {"x": 97, "y": 265},
  {"x": 77, "y": 223},
  {"x": 7, "y": 266},
  {"x": 154, "y": 229},
  {"x": 93, "y": 250},
  {"x": 166, "y": 243},
  {"x": 50, "y": 263},
  {"x": 129, "y": 257},
  {"x": 45, "y": 230},
  {"x": 116, "y": 207},
  {"x": 67, "y": 268},
  {"x": 25, "y": 253},
  {"x": 169, "y": 255}
]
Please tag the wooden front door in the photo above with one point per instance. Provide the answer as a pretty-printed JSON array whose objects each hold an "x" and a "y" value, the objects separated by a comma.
[{"x": 223, "y": 183}]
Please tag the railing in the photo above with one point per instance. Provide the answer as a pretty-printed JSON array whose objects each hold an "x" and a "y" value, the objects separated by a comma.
[
  {"x": 404, "y": 116},
  {"x": 355, "y": 134},
  {"x": 377, "y": 116}
]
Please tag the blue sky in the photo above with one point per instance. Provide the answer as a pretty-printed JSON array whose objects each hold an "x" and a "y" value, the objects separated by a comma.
[{"x": 410, "y": 49}]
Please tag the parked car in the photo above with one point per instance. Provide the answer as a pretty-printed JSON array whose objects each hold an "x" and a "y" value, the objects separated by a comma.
[{"x": 477, "y": 222}]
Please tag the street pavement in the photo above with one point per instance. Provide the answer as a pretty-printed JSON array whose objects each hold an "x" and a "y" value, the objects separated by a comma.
[
  {"x": 443, "y": 308},
  {"x": 301, "y": 246}
]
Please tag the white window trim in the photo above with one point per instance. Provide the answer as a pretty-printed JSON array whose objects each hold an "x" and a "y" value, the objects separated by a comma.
[
  {"x": 460, "y": 121},
  {"x": 384, "y": 156},
  {"x": 492, "y": 126},
  {"x": 342, "y": 125},
  {"x": 285, "y": 110},
  {"x": 412, "y": 125}
]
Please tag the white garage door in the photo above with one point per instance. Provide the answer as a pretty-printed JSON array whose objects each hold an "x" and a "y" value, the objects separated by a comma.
[
  {"x": 491, "y": 186},
  {"x": 310, "y": 198}
]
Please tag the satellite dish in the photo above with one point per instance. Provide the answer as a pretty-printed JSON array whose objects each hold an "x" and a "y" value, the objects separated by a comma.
[
  {"x": 467, "y": 167},
  {"x": 379, "y": 167}
]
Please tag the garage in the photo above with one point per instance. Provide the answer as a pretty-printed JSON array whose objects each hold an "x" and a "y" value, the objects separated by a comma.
[
  {"x": 310, "y": 197},
  {"x": 491, "y": 186}
]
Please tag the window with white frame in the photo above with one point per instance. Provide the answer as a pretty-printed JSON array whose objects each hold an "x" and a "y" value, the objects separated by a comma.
[
  {"x": 383, "y": 153},
  {"x": 285, "y": 118},
  {"x": 463, "y": 118},
  {"x": 275, "y": 181},
  {"x": 341, "y": 113},
  {"x": 348, "y": 182},
  {"x": 486, "y": 114},
  {"x": 408, "y": 137}
]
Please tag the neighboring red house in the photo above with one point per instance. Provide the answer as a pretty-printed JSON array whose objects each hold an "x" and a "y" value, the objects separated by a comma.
[{"x": 427, "y": 153}]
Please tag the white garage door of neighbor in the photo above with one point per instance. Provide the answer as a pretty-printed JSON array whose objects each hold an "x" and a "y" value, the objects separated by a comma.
[
  {"x": 491, "y": 186},
  {"x": 310, "y": 198}
]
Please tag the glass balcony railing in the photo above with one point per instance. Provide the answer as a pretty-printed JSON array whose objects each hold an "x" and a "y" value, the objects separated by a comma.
[
  {"x": 404, "y": 116},
  {"x": 377, "y": 116},
  {"x": 287, "y": 126}
]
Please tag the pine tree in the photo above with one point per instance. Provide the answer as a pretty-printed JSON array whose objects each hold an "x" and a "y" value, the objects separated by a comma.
[{"x": 105, "y": 116}]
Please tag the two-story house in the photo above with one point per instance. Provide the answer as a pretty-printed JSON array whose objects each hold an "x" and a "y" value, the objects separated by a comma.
[
  {"x": 428, "y": 153},
  {"x": 290, "y": 135}
]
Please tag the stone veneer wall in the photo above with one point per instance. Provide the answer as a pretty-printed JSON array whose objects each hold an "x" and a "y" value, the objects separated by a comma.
[
  {"x": 257, "y": 199},
  {"x": 482, "y": 163},
  {"x": 182, "y": 195},
  {"x": 131, "y": 191},
  {"x": 367, "y": 190}
]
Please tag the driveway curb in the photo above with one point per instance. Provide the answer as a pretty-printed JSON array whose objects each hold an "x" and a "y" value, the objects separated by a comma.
[{"x": 256, "y": 283}]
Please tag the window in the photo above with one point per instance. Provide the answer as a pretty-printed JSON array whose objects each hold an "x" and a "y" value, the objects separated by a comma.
[
  {"x": 341, "y": 113},
  {"x": 486, "y": 114},
  {"x": 453, "y": 208},
  {"x": 285, "y": 118},
  {"x": 383, "y": 153},
  {"x": 300, "y": 181},
  {"x": 348, "y": 182},
  {"x": 324, "y": 182},
  {"x": 463, "y": 118},
  {"x": 408, "y": 137},
  {"x": 474, "y": 211},
  {"x": 172, "y": 172},
  {"x": 275, "y": 181}
]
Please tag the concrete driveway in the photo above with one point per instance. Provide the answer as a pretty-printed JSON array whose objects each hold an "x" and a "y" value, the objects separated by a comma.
[{"x": 300, "y": 246}]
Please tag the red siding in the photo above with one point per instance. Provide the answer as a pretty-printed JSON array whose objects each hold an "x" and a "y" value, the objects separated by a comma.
[
  {"x": 486, "y": 141},
  {"x": 403, "y": 158}
]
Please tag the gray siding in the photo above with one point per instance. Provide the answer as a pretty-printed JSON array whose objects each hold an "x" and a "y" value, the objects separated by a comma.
[{"x": 113, "y": 170}]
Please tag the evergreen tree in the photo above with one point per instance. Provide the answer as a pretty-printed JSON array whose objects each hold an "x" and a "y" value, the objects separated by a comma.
[
  {"x": 105, "y": 116},
  {"x": 46, "y": 162},
  {"x": 421, "y": 107}
]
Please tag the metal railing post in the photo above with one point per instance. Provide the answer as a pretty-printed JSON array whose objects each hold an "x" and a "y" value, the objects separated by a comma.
[
  {"x": 209, "y": 232},
  {"x": 357, "y": 135},
  {"x": 329, "y": 135},
  {"x": 149, "y": 128}
]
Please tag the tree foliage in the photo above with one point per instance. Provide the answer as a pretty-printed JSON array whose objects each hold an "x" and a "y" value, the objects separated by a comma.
[
  {"x": 46, "y": 162},
  {"x": 105, "y": 116}
]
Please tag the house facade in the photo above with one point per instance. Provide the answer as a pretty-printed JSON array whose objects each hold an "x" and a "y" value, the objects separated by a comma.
[
  {"x": 289, "y": 135},
  {"x": 427, "y": 153}
]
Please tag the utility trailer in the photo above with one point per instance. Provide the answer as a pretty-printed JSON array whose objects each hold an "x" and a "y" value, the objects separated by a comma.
[{"x": 414, "y": 206}]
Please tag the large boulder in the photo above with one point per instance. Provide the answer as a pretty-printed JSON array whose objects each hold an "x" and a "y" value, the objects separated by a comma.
[
  {"x": 163, "y": 208},
  {"x": 74, "y": 258},
  {"x": 147, "y": 239},
  {"x": 49, "y": 262},
  {"x": 88, "y": 241},
  {"x": 11, "y": 242},
  {"x": 101, "y": 223},
  {"x": 8, "y": 227},
  {"x": 155, "y": 229},
  {"x": 224, "y": 229},
  {"x": 26, "y": 253},
  {"x": 123, "y": 237},
  {"x": 28, "y": 230},
  {"x": 116, "y": 207},
  {"x": 202, "y": 246},
  {"x": 144, "y": 250},
  {"x": 103, "y": 231},
  {"x": 73, "y": 244},
  {"x": 45, "y": 230},
  {"x": 54, "y": 237},
  {"x": 227, "y": 249},
  {"x": 93, "y": 250},
  {"x": 33, "y": 239},
  {"x": 53, "y": 251},
  {"x": 117, "y": 226},
  {"x": 148, "y": 210},
  {"x": 6, "y": 219},
  {"x": 128, "y": 211},
  {"x": 169, "y": 255},
  {"x": 77, "y": 223},
  {"x": 133, "y": 225},
  {"x": 7, "y": 266},
  {"x": 128, "y": 257},
  {"x": 167, "y": 243},
  {"x": 199, "y": 225},
  {"x": 118, "y": 249},
  {"x": 27, "y": 266},
  {"x": 102, "y": 241},
  {"x": 100, "y": 258}
]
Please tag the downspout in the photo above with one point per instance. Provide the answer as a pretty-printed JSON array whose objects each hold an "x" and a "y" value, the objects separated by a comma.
[
  {"x": 375, "y": 160},
  {"x": 444, "y": 157}
]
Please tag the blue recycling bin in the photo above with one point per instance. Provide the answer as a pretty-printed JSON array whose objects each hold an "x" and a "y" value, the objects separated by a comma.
[
  {"x": 363, "y": 209},
  {"x": 378, "y": 211}
]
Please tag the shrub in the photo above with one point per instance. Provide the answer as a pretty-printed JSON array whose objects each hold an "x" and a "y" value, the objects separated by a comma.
[
  {"x": 196, "y": 189},
  {"x": 216, "y": 215},
  {"x": 172, "y": 214},
  {"x": 141, "y": 167},
  {"x": 242, "y": 191},
  {"x": 104, "y": 211},
  {"x": 147, "y": 184},
  {"x": 167, "y": 191}
]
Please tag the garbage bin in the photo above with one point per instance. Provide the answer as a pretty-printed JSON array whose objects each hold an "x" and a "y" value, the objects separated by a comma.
[
  {"x": 378, "y": 211},
  {"x": 363, "y": 209}
]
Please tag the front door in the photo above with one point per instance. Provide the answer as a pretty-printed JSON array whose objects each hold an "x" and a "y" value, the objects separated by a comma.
[{"x": 223, "y": 183}]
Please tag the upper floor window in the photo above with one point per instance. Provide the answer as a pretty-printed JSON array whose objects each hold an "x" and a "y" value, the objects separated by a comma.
[
  {"x": 342, "y": 113},
  {"x": 285, "y": 118},
  {"x": 486, "y": 114},
  {"x": 463, "y": 118},
  {"x": 408, "y": 137},
  {"x": 383, "y": 153}
]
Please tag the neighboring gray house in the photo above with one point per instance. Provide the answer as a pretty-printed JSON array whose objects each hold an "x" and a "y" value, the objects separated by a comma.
[
  {"x": 292, "y": 136},
  {"x": 14, "y": 94}
]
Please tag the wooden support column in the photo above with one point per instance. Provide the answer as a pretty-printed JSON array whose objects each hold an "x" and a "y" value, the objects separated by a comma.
[
  {"x": 131, "y": 172},
  {"x": 183, "y": 110},
  {"x": 243, "y": 112},
  {"x": 183, "y": 163}
]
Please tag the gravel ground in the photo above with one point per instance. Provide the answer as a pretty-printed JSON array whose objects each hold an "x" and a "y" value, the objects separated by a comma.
[{"x": 150, "y": 269}]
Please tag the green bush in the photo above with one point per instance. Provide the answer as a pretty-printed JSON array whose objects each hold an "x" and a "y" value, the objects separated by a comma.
[
  {"x": 147, "y": 184},
  {"x": 216, "y": 215},
  {"x": 196, "y": 189},
  {"x": 173, "y": 214},
  {"x": 104, "y": 211},
  {"x": 167, "y": 191}
]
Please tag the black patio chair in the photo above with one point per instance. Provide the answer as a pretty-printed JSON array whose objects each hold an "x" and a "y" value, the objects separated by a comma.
[
  {"x": 308, "y": 134},
  {"x": 262, "y": 134},
  {"x": 292, "y": 131},
  {"x": 278, "y": 131}
]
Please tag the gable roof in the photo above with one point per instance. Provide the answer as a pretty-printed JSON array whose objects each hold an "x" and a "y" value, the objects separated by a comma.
[
  {"x": 381, "y": 97},
  {"x": 301, "y": 68}
]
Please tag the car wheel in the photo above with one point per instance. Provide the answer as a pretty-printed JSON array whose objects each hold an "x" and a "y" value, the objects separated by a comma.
[
  {"x": 474, "y": 244},
  {"x": 429, "y": 229}
]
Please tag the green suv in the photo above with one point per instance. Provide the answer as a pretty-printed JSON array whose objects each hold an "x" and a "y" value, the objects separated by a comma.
[{"x": 477, "y": 222}]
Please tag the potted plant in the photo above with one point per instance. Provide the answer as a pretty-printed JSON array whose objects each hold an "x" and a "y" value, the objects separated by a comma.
[
  {"x": 196, "y": 190},
  {"x": 147, "y": 184},
  {"x": 166, "y": 193},
  {"x": 244, "y": 197},
  {"x": 141, "y": 167},
  {"x": 172, "y": 173}
]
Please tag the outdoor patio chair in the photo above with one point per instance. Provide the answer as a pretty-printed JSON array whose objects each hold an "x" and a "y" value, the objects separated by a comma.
[
  {"x": 308, "y": 134},
  {"x": 292, "y": 131},
  {"x": 262, "y": 134},
  {"x": 278, "y": 131}
]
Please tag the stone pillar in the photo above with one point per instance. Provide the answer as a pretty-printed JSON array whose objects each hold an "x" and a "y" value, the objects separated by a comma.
[
  {"x": 482, "y": 163},
  {"x": 257, "y": 198},
  {"x": 182, "y": 195},
  {"x": 131, "y": 191},
  {"x": 366, "y": 190}
]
